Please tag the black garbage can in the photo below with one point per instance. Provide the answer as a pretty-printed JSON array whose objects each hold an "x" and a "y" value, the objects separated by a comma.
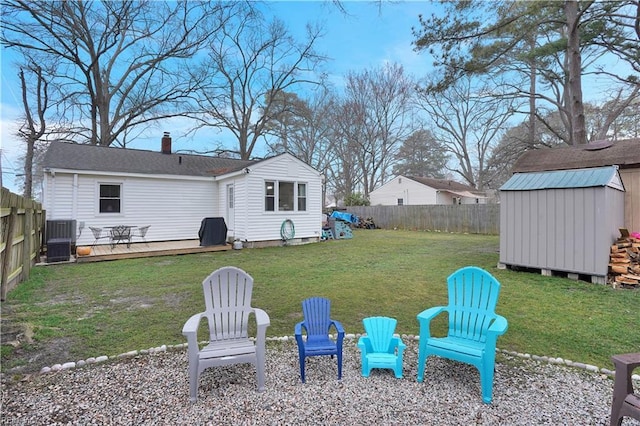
[{"x": 213, "y": 232}]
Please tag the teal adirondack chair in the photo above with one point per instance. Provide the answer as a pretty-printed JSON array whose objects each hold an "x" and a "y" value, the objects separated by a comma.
[
  {"x": 380, "y": 348},
  {"x": 474, "y": 326}
]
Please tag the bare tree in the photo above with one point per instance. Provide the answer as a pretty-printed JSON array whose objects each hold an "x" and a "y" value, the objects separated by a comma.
[
  {"x": 344, "y": 173},
  {"x": 607, "y": 118},
  {"x": 376, "y": 118},
  {"x": 249, "y": 63},
  {"x": 468, "y": 121},
  {"x": 121, "y": 64},
  {"x": 34, "y": 126},
  {"x": 303, "y": 127}
]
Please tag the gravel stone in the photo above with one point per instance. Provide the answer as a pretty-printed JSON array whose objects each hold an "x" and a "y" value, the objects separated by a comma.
[{"x": 153, "y": 389}]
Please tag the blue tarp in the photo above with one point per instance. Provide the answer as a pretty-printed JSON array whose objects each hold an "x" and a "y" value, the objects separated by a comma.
[{"x": 344, "y": 216}]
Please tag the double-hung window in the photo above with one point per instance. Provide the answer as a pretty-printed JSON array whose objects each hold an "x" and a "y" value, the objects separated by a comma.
[
  {"x": 270, "y": 196},
  {"x": 302, "y": 197},
  {"x": 110, "y": 198},
  {"x": 285, "y": 196}
]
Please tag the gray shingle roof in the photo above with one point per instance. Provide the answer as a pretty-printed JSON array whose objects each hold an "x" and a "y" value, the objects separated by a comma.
[
  {"x": 624, "y": 153},
  {"x": 63, "y": 155},
  {"x": 443, "y": 184}
]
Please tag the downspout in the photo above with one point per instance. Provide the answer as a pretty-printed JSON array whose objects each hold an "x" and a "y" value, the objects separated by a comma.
[
  {"x": 246, "y": 208},
  {"x": 52, "y": 205},
  {"x": 74, "y": 198}
]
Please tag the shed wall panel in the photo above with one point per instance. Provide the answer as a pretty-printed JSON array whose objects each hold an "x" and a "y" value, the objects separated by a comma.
[{"x": 560, "y": 229}]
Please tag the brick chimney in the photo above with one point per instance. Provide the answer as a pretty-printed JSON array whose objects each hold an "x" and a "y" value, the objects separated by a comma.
[{"x": 166, "y": 143}]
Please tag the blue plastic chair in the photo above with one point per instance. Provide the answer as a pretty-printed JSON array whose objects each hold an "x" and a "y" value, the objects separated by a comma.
[
  {"x": 316, "y": 325},
  {"x": 474, "y": 326},
  {"x": 380, "y": 348}
]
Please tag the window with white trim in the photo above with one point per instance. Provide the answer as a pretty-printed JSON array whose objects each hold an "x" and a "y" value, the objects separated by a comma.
[
  {"x": 110, "y": 198},
  {"x": 290, "y": 196},
  {"x": 302, "y": 197},
  {"x": 285, "y": 196},
  {"x": 270, "y": 196},
  {"x": 401, "y": 201}
]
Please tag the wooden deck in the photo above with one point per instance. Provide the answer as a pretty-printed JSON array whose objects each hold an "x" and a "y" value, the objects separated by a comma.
[{"x": 165, "y": 248}]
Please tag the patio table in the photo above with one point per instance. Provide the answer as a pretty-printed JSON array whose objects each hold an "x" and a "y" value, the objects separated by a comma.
[{"x": 120, "y": 234}]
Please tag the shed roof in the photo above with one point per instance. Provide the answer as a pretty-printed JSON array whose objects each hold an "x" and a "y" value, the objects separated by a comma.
[
  {"x": 71, "y": 156},
  {"x": 564, "y": 179},
  {"x": 623, "y": 153}
]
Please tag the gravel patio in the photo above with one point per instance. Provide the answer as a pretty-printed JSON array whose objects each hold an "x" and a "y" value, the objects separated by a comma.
[{"x": 152, "y": 389}]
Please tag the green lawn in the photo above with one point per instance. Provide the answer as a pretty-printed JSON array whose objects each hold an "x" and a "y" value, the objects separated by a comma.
[{"x": 108, "y": 308}]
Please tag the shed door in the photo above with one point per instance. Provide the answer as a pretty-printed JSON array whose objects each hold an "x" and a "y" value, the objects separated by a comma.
[{"x": 230, "y": 219}]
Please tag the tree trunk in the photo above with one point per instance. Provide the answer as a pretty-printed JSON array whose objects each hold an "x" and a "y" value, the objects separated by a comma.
[
  {"x": 578, "y": 127},
  {"x": 533, "y": 71}
]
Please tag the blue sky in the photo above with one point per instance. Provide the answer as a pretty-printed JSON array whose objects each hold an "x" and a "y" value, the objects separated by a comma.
[{"x": 368, "y": 35}]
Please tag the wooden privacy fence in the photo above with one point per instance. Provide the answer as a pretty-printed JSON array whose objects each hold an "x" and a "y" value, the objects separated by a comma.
[
  {"x": 462, "y": 218},
  {"x": 22, "y": 228}
]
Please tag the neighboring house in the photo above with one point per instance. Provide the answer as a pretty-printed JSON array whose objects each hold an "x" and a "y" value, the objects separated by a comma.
[
  {"x": 625, "y": 154},
  {"x": 103, "y": 186},
  {"x": 412, "y": 191}
]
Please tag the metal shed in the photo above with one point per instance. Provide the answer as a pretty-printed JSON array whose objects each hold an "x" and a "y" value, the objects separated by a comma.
[{"x": 561, "y": 221}]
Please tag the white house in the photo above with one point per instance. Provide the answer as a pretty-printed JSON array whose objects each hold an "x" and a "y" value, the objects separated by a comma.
[
  {"x": 103, "y": 186},
  {"x": 408, "y": 190}
]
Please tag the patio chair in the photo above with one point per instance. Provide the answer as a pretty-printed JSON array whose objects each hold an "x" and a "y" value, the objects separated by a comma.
[
  {"x": 316, "y": 326},
  {"x": 227, "y": 296},
  {"x": 97, "y": 234},
  {"x": 142, "y": 233},
  {"x": 120, "y": 233},
  {"x": 380, "y": 348},
  {"x": 625, "y": 402},
  {"x": 474, "y": 326}
]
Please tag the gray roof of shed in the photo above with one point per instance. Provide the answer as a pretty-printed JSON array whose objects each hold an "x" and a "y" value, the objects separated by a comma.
[
  {"x": 92, "y": 158},
  {"x": 564, "y": 179},
  {"x": 623, "y": 153}
]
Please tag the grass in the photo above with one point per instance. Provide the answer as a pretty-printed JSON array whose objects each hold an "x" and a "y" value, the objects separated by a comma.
[{"x": 108, "y": 308}]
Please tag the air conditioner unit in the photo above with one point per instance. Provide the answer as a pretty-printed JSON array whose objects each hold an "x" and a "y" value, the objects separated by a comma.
[{"x": 61, "y": 229}]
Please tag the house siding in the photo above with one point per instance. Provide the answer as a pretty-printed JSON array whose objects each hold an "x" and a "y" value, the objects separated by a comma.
[
  {"x": 174, "y": 208},
  {"x": 174, "y": 205},
  {"x": 260, "y": 225},
  {"x": 412, "y": 193},
  {"x": 62, "y": 184},
  {"x": 416, "y": 193}
]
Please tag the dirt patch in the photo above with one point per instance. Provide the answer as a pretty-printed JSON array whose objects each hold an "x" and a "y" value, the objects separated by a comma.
[
  {"x": 27, "y": 359},
  {"x": 132, "y": 303},
  {"x": 63, "y": 298},
  {"x": 23, "y": 356}
]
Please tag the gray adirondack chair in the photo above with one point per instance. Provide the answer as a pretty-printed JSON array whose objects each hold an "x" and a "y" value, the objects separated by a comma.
[{"x": 227, "y": 295}]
